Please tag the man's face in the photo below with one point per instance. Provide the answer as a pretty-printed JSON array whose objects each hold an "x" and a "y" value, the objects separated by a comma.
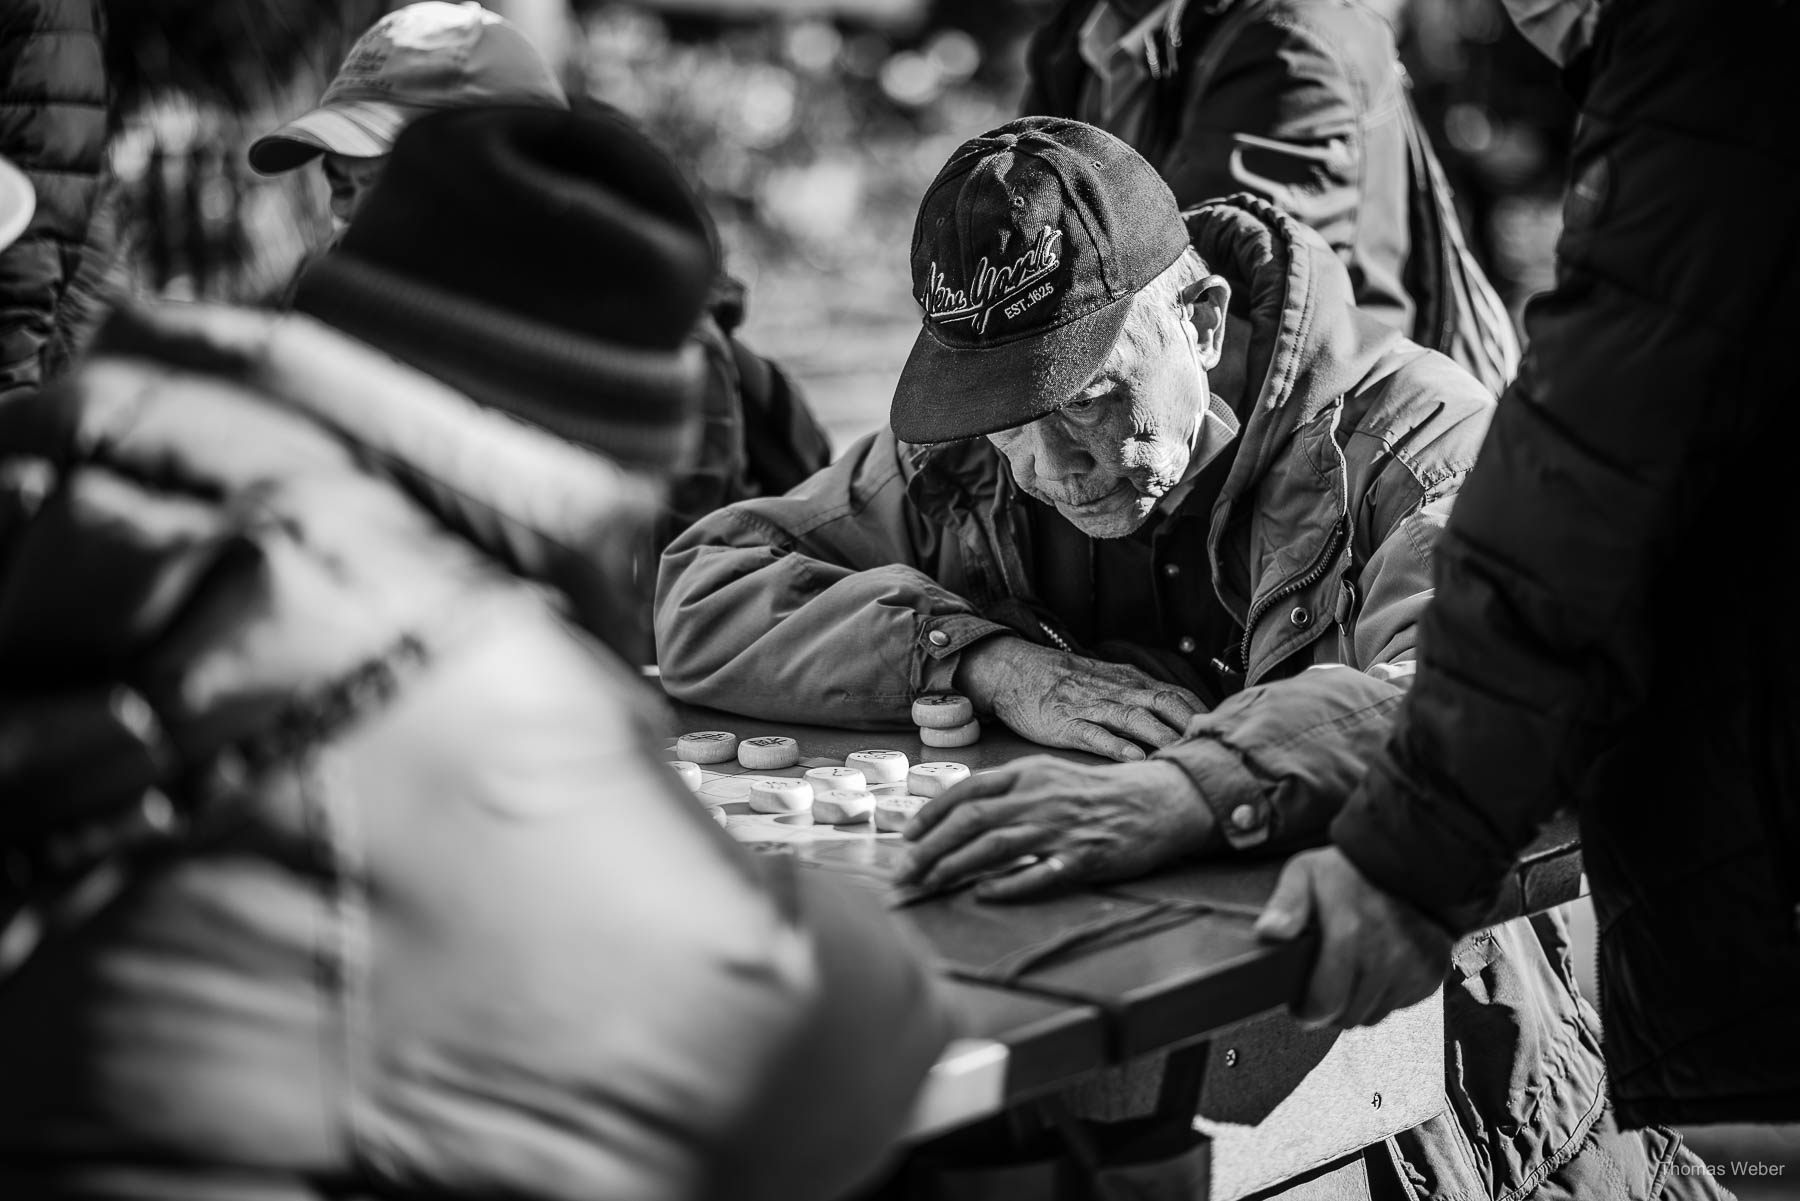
[
  {"x": 350, "y": 180},
  {"x": 1106, "y": 458}
]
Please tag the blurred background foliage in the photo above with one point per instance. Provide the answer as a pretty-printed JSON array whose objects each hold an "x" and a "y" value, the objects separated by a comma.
[{"x": 812, "y": 127}]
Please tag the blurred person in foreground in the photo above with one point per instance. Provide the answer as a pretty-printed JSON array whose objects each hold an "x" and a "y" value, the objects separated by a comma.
[
  {"x": 1142, "y": 473},
  {"x": 758, "y": 436},
  {"x": 1304, "y": 103},
  {"x": 1611, "y": 629},
  {"x": 339, "y": 859}
]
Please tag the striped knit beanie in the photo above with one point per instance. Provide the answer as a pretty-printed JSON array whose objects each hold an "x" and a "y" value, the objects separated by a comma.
[{"x": 548, "y": 263}]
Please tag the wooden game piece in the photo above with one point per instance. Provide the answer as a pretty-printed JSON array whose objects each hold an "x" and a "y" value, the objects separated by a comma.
[
  {"x": 879, "y": 767},
  {"x": 768, "y": 752},
  {"x": 934, "y": 779},
  {"x": 720, "y": 816},
  {"x": 889, "y": 789},
  {"x": 778, "y": 794},
  {"x": 689, "y": 773},
  {"x": 842, "y": 806},
  {"x": 894, "y": 813},
  {"x": 942, "y": 711},
  {"x": 967, "y": 735},
  {"x": 824, "y": 779},
  {"x": 707, "y": 746}
]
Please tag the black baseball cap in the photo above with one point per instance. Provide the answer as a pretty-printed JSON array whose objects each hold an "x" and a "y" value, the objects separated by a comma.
[{"x": 1029, "y": 247}]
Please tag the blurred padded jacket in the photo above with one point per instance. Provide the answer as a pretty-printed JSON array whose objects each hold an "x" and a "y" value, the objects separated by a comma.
[
  {"x": 339, "y": 858},
  {"x": 53, "y": 126}
]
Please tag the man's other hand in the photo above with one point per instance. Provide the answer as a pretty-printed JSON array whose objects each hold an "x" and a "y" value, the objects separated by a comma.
[
  {"x": 1376, "y": 953},
  {"x": 1084, "y": 822},
  {"x": 1062, "y": 700}
]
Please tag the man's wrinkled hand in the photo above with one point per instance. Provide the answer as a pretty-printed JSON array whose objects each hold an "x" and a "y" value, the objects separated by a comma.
[
  {"x": 1376, "y": 952},
  {"x": 1084, "y": 823},
  {"x": 1063, "y": 700}
]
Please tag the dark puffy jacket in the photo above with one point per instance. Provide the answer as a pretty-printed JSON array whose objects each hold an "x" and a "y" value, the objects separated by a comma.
[
  {"x": 1611, "y": 627},
  {"x": 1304, "y": 107},
  {"x": 348, "y": 867},
  {"x": 53, "y": 125}
]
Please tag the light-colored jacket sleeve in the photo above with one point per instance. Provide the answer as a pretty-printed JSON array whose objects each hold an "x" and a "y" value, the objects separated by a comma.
[{"x": 836, "y": 603}]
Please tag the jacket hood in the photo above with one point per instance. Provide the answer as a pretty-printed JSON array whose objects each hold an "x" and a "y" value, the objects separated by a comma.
[
  {"x": 1310, "y": 346},
  {"x": 1309, "y": 343},
  {"x": 224, "y": 510}
]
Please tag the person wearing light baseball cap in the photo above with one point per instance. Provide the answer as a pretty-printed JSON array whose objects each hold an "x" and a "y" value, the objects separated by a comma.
[
  {"x": 759, "y": 436},
  {"x": 1144, "y": 469},
  {"x": 419, "y": 59}
]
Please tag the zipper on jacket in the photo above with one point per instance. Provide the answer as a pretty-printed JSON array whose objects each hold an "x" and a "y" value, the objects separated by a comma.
[
  {"x": 1300, "y": 584},
  {"x": 1053, "y": 636}
]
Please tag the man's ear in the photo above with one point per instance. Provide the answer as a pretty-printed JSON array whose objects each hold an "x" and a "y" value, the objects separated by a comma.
[{"x": 1205, "y": 302}]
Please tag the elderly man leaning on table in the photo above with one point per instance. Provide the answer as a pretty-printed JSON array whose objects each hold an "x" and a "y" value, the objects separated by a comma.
[{"x": 1145, "y": 469}]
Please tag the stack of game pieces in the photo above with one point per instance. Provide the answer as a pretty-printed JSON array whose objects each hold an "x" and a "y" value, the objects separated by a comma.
[{"x": 945, "y": 720}]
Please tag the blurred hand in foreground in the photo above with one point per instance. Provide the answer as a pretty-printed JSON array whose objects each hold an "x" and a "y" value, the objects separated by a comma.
[
  {"x": 1063, "y": 700},
  {"x": 1085, "y": 823},
  {"x": 1376, "y": 952}
]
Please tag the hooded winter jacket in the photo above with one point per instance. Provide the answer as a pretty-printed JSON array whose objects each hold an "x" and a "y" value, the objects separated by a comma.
[
  {"x": 339, "y": 859},
  {"x": 841, "y": 601},
  {"x": 1611, "y": 627}
]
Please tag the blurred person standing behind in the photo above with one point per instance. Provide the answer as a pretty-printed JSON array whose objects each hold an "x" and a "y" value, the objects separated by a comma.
[
  {"x": 1304, "y": 103},
  {"x": 337, "y": 857}
]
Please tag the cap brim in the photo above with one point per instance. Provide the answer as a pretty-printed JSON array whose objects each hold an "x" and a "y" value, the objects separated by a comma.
[
  {"x": 18, "y": 200},
  {"x": 948, "y": 393},
  {"x": 358, "y": 128}
]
